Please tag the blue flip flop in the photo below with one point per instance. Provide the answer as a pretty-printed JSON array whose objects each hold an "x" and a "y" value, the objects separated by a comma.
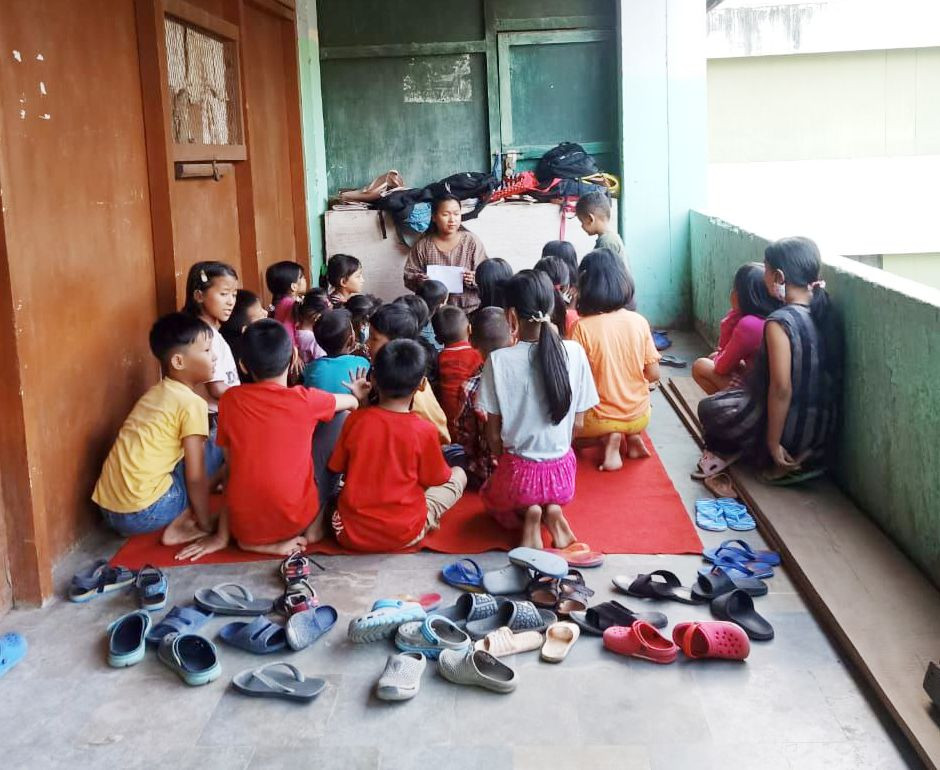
[
  {"x": 127, "y": 639},
  {"x": 152, "y": 588},
  {"x": 12, "y": 650},
  {"x": 736, "y": 515},
  {"x": 194, "y": 658},
  {"x": 464, "y": 574},
  {"x": 748, "y": 568},
  {"x": 542, "y": 562},
  {"x": 304, "y": 628},
  {"x": 740, "y": 550},
  {"x": 709, "y": 516},
  {"x": 258, "y": 635},
  {"x": 179, "y": 620}
]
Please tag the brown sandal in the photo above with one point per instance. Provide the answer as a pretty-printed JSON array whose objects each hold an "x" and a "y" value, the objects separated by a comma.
[{"x": 721, "y": 485}]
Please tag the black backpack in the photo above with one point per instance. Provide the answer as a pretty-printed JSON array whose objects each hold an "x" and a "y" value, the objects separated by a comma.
[
  {"x": 467, "y": 184},
  {"x": 566, "y": 161}
]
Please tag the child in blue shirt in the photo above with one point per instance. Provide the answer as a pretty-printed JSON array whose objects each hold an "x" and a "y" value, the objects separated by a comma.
[{"x": 332, "y": 373}]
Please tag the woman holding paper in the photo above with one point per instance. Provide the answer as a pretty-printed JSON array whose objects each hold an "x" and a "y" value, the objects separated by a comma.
[{"x": 447, "y": 253}]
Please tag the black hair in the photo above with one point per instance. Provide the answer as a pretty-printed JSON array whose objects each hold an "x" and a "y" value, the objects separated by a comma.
[
  {"x": 439, "y": 201},
  {"x": 266, "y": 349},
  {"x": 174, "y": 331},
  {"x": 238, "y": 320},
  {"x": 399, "y": 368},
  {"x": 604, "y": 284},
  {"x": 361, "y": 307},
  {"x": 594, "y": 202},
  {"x": 753, "y": 298},
  {"x": 201, "y": 275},
  {"x": 557, "y": 272},
  {"x": 491, "y": 276},
  {"x": 417, "y": 306},
  {"x": 530, "y": 294},
  {"x": 563, "y": 250},
  {"x": 433, "y": 293},
  {"x": 450, "y": 324},
  {"x": 280, "y": 276},
  {"x": 395, "y": 321},
  {"x": 490, "y": 330},
  {"x": 340, "y": 267},
  {"x": 315, "y": 303},
  {"x": 334, "y": 331}
]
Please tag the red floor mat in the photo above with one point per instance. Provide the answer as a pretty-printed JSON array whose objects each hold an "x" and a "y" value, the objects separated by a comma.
[{"x": 636, "y": 510}]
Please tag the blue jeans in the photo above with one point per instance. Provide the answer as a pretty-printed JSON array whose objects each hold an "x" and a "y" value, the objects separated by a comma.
[{"x": 170, "y": 504}]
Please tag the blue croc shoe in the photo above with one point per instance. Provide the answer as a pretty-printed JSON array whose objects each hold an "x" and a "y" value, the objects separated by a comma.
[
  {"x": 152, "y": 588},
  {"x": 179, "y": 620},
  {"x": 431, "y": 636},
  {"x": 12, "y": 650},
  {"x": 384, "y": 619},
  {"x": 127, "y": 639},
  {"x": 709, "y": 516},
  {"x": 194, "y": 658}
]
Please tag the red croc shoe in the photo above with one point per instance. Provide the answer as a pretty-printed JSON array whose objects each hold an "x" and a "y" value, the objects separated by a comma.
[
  {"x": 640, "y": 640},
  {"x": 712, "y": 639}
]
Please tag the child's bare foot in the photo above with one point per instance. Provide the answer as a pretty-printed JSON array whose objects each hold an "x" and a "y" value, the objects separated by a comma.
[
  {"x": 612, "y": 459},
  {"x": 283, "y": 548},
  {"x": 316, "y": 531},
  {"x": 183, "y": 529},
  {"x": 532, "y": 527},
  {"x": 558, "y": 527},
  {"x": 636, "y": 449}
]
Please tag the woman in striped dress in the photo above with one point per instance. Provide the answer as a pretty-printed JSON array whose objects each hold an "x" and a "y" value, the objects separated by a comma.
[{"x": 786, "y": 411}]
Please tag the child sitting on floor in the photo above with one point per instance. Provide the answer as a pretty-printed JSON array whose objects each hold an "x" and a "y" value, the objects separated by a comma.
[
  {"x": 457, "y": 362},
  {"x": 314, "y": 304},
  {"x": 741, "y": 332},
  {"x": 435, "y": 294},
  {"x": 490, "y": 332},
  {"x": 265, "y": 430},
  {"x": 533, "y": 394},
  {"x": 247, "y": 310},
  {"x": 287, "y": 283},
  {"x": 396, "y": 321},
  {"x": 398, "y": 485},
  {"x": 423, "y": 316},
  {"x": 624, "y": 361},
  {"x": 593, "y": 212},
  {"x": 361, "y": 308},
  {"x": 159, "y": 471},
  {"x": 334, "y": 330},
  {"x": 557, "y": 272},
  {"x": 344, "y": 278}
]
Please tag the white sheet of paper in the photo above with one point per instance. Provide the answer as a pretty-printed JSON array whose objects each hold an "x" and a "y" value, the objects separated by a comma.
[{"x": 451, "y": 277}]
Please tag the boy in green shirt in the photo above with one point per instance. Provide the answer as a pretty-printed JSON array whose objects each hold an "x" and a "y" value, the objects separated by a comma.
[{"x": 593, "y": 212}]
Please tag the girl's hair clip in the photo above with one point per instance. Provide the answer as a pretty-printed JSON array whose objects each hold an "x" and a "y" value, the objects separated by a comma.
[
  {"x": 541, "y": 318},
  {"x": 203, "y": 277},
  {"x": 818, "y": 285}
]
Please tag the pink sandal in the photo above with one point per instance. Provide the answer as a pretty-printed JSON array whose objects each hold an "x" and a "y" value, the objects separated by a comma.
[
  {"x": 579, "y": 555},
  {"x": 712, "y": 639},
  {"x": 640, "y": 640},
  {"x": 709, "y": 464}
]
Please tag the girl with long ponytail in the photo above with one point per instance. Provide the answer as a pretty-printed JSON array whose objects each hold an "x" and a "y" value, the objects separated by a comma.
[{"x": 534, "y": 393}]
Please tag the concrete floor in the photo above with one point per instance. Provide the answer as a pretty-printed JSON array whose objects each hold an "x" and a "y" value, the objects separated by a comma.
[{"x": 793, "y": 704}]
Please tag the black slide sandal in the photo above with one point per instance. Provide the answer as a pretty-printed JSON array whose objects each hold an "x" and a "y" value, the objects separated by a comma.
[
  {"x": 738, "y": 607},
  {"x": 595, "y": 620},
  {"x": 645, "y": 587},
  {"x": 717, "y": 582}
]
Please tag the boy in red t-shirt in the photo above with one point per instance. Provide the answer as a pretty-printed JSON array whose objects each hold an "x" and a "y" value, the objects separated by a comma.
[
  {"x": 457, "y": 362},
  {"x": 266, "y": 431},
  {"x": 398, "y": 485}
]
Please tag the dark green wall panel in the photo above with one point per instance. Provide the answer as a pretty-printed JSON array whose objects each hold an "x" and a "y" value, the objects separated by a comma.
[
  {"x": 374, "y": 22},
  {"x": 370, "y": 128}
]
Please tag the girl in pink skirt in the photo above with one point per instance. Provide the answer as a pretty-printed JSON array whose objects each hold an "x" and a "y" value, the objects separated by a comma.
[{"x": 534, "y": 393}]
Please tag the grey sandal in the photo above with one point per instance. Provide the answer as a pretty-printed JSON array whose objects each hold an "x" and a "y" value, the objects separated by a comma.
[
  {"x": 278, "y": 680},
  {"x": 237, "y": 601}
]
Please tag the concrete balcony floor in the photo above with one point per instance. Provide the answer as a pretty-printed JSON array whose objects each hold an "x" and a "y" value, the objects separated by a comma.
[{"x": 793, "y": 704}]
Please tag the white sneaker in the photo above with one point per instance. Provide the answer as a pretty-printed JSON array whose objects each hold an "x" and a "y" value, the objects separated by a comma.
[{"x": 402, "y": 676}]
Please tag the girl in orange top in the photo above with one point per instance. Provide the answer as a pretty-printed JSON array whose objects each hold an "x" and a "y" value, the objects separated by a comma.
[{"x": 623, "y": 358}]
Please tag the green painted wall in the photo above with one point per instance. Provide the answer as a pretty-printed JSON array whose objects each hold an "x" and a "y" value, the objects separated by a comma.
[{"x": 890, "y": 443}]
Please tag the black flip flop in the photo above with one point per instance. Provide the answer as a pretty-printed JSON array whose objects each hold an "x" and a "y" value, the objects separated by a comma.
[
  {"x": 717, "y": 582},
  {"x": 645, "y": 587},
  {"x": 595, "y": 620},
  {"x": 738, "y": 607}
]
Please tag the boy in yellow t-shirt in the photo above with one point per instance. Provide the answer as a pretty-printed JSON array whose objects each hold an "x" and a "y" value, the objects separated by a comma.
[{"x": 158, "y": 472}]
